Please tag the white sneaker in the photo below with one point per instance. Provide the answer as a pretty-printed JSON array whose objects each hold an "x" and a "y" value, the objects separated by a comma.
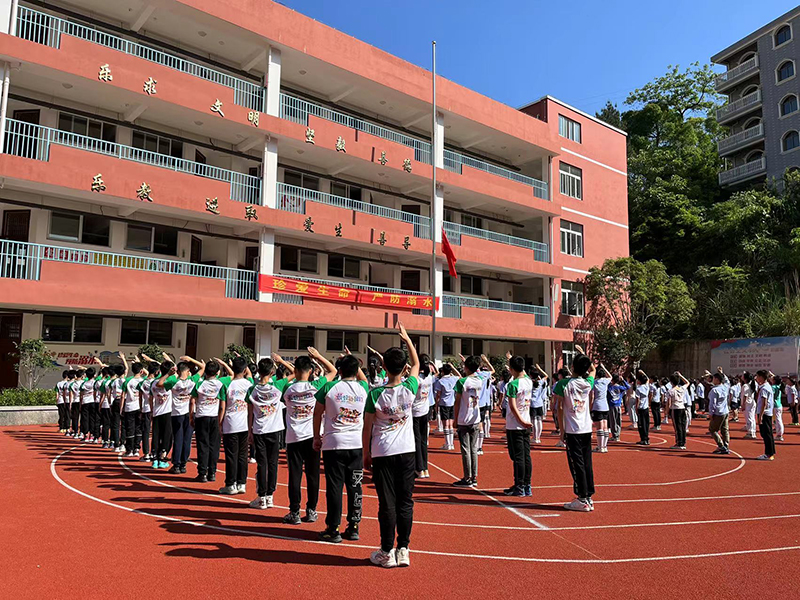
[
  {"x": 270, "y": 503},
  {"x": 597, "y": 449},
  {"x": 383, "y": 559},
  {"x": 242, "y": 488},
  {"x": 560, "y": 444},
  {"x": 259, "y": 502},
  {"x": 604, "y": 451},
  {"x": 765, "y": 457},
  {"x": 252, "y": 461},
  {"x": 578, "y": 505},
  {"x": 401, "y": 555},
  {"x": 229, "y": 490}
]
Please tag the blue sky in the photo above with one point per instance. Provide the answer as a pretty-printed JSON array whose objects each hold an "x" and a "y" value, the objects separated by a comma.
[{"x": 516, "y": 51}]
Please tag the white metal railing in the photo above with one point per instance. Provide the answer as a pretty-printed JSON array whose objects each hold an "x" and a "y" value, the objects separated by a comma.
[
  {"x": 298, "y": 110},
  {"x": 454, "y": 161},
  {"x": 732, "y": 108},
  {"x": 292, "y": 198},
  {"x": 22, "y": 260},
  {"x": 747, "y": 66},
  {"x": 739, "y": 139},
  {"x": 750, "y": 169},
  {"x": 34, "y": 141},
  {"x": 47, "y": 29},
  {"x": 454, "y": 232},
  {"x": 452, "y": 305}
]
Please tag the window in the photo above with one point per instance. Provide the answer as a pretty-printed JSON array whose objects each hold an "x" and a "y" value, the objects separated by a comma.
[
  {"x": 344, "y": 266},
  {"x": 568, "y": 353},
  {"x": 471, "y": 347},
  {"x": 143, "y": 331},
  {"x": 67, "y": 328},
  {"x": 469, "y": 284},
  {"x": 571, "y": 181},
  {"x": 293, "y": 338},
  {"x": 447, "y": 346},
  {"x": 788, "y": 105},
  {"x": 156, "y": 143},
  {"x": 569, "y": 129},
  {"x": 786, "y": 70},
  {"x": 790, "y": 141},
  {"x": 152, "y": 238},
  {"x": 165, "y": 240},
  {"x": 300, "y": 180},
  {"x": 783, "y": 35},
  {"x": 298, "y": 259},
  {"x": 89, "y": 127},
  {"x": 571, "y": 238},
  {"x": 472, "y": 221},
  {"x": 86, "y": 229},
  {"x": 140, "y": 237},
  {"x": 337, "y": 340},
  {"x": 572, "y": 298},
  {"x": 345, "y": 190}
]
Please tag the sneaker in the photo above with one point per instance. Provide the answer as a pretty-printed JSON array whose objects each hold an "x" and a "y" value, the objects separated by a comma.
[
  {"x": 596, "y": 449},
  {"x": 212, "y": 476},
  {"x": 473, "y": 483},
  {"x": 764, "y": 457},
  {"x": 311, "y": 516},
  {"x": 259, "y": 502},
  {"x": 242, "y": 488},
  {"x": 383, "y": 559},
  {"x": 719, "y": 451},
  {"x": 201, "y": 478},
  {"x": 270, "y": 502},
  {"x": 401, "y": 556},
  {"x": 330, "y": 535},
  {"x": 229, "y": 490},
  {"x": 683, "y": 447},
  {"x": 528, "y": 491},
  {"x": 674, "y": 447},
  {"x": 604, "y": 451},
  {"x": 351, "y": 532},
  {"x": 480, "y": 451},
  {"x": 516, "y": 490},
  {"x": 658, "y": 428},
  {"x": 252, "y": 461},
  {"x": 780, "y": 439},
  {"x": 590, "y": 502},
  {"x": 292, "y": 518},
  {"x": 163, "y": 465},
  {"x": 560, "y": 444},
  {"x": 183, "y": 470},
  {"x": 725, "y": 451},
  {"x": 464, "y": 483},
  {"x": 129, "y": 455},
  {"x": 175, "y": 470},
  {"x": 145, "y": 458},
  {"x": 578, "y": 505}
]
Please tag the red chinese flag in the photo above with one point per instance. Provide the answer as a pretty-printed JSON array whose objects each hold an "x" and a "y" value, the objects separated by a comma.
[{"x": 448, "y": 252}]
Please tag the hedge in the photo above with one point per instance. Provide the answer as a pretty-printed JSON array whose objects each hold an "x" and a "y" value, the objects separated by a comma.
[{"x": 23, "y": 397}]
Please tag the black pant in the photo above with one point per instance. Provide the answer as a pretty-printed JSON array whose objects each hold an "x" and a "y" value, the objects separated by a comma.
[
  {"x": 147, "y": 419},
  {"x": 793, "y": 410},
  {"x": 579, "y": 458},
  {"x": 133, "y": 430},
  {"x": 86, "y": 410},
  {"x": 679, "y": 423},
  {"x": 519, "y": 449},
  {"x": 61, "y": 415},
  {"x": 615, "y": 420},
  {"x": 105, "y": 421},
  {"x": 656, "y": 408},
  {"x": 299, "y": 456},
  {"x": 421, "y": 442},
  {"x": 267, "y": 446},
  {"x": 116, "y": 419},
  {"x": 343, "y": 467},
  {"x": 206, "y": 436},
  {"x": 394, "y": 481},
  {"x": 765, "y": 428},
  {"x": 644, "y": 424},
  {"x": 162, "y": 436},
  {"x": 235, "y": 457},
  {"x": 182, "y": 440}
]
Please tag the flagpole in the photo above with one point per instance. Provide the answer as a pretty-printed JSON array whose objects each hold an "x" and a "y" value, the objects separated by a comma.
[{"x": 433, "y": 203}]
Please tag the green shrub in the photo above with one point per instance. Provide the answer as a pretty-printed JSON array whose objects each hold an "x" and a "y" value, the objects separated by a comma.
[{"x": 23, "y": 397}]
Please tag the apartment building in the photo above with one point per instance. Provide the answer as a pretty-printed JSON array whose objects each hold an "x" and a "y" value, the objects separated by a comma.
[
  {"x": 195, "y": 173},
  {"x": 761, "y": 114}
]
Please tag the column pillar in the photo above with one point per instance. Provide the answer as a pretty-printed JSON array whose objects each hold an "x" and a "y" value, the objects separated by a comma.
[
  {"x": 263, "y": 340},
  {"x": 273, "y": 107},
  {"x": 438, "y": 141},
  {"x": 266, "y": 259},
  {"x": 269, "y": 174}
]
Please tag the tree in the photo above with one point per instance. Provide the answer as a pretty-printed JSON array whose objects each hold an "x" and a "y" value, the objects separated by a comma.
[
  {"x": 243, "y": 351},
  {"x": 35, "y": 360},
  {"x": 637, "y": 304},
  {"x": 154, "y": 351},
  {"x": 610, "y": 114}
]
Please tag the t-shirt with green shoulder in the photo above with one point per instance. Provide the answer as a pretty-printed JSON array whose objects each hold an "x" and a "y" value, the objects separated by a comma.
[
  {"x": 300, "y": 398},
  {"x": 343, "y": 420},
  {"x": 132, "y": 394},
  {"x": 392, "y": 429}
]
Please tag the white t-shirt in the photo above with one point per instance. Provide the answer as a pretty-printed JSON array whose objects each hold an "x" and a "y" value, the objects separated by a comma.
[
  {"x": 162, "y": 396},
  {"x": 343, "y": 421},
  {"x": 519, "y": 391},
  {"x": 746, "y": 395},
  {"x": 207, "y": 394},
  {"x": 422, "y": 404},
  {"x": 576, "y": 405},
  {"x": 643, "y": 396},
  {"x": 182, "y": 394},
  {"x": 114, "y": 389},
  {"x": 132, "y": 394},
  {"x": 87, "y": 391},
  {"x": 75, "y": 390},
  {"x": 146, "y": 388},
  {"x": 60, "y": 392},
  {"x": 235, "y": 419},
  {"x": 765, "y": 400},
  {"x": 676, "y": 397},
  {"x": 267, "y": 408},
  {"x": 300, "y": 398},
  {"x": 470, "y": 389},
  {"x": 393, "y": 427}
]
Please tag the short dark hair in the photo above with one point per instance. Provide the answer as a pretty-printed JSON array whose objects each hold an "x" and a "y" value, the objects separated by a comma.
[
  {"x": 394, "y": 360},
  {"x": 517, "y": 364},
  {"x": 763, "y": 373},
  {"x": 674, "y": 379},
  {"x": 349, "y": 366},
  {"x": 165, "y": 366},
  {"x": 718, "y": 376},
  {"x": 266, "y": 367},
  {"x": 563, "y": 372},
  {"x": 152, "y": 367},
  {"x": 303, "y": 364},
  {"x": 472, "y": 364},
  {"x": 184, "y": 366},
  {"x": 119, "y": 370},
  {"x": 446, "y": 369},
  {"x": 80, "y": 373},
  {"x": 136, "y": 368},
  {"x": 65, "y": 373},
  {"x": 90, "y": 372},
  {"x": 581, "y": 365},
  {"x": 238, "y": 365},
  {"x": 212, "y": 368}
]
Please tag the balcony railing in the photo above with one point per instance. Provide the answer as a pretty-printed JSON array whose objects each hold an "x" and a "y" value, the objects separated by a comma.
[
  {"x": 34, "y": 141},
  {"x": 298, "y": 110},
  {"x": 733, "y": 108},
  {"x": 454, "y": 232},
  {"x": 452, "y": 305},
  {"x": 46, "y": 29},
  {"x": 741, "y": 139},
  {"x": 21, "y": 260},
  {"x": 746, "y": 68},
  {"x": 292, "y": 198},
  {"x": 743, "y": 172},
  {"x": 454, "y": 161}
]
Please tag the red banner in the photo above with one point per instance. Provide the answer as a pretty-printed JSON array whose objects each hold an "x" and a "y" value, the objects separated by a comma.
[{"x": 331, "y": 293}]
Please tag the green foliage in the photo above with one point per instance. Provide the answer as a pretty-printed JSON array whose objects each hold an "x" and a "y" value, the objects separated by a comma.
[
  {"x": 34, "y": 362},
  {"x": 243, "y": 351},
  {"x": 154, "y": 351},
  {"x": 25, "y": 397},
  {"x": 611, "y": 115}
]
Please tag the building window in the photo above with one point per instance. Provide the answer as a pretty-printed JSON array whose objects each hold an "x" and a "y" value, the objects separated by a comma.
[
  {"x": 344, "y": 266},
  {"x": 568, "y": 353},
  {"x": 88, "y": 127},
  {"x": 572, "y": 298},
  {"x": 571, "y": 181},
  {"x": 571, "y": 238},
  {"x": 298, "y": 259},
  {"x": 472, "y": 221},
  {"x": 337, "y": 340},
  {"x": 471, "y": 347},
  {"x": 470, "y": 284},
  {"x": 788, "y": 105},
  {"x": 156, "y": 143},
  {"x": 569, "y": 129},
  {"x": 447, "y": 346},
  {"x": 293, "y": 338},
  {"x": 80, "y": 329},
  {"x": 783, "y": 35},
  {"x": 152, "y": 238},
  {"x": 135, "y": 332},
  {"x": 86, "y": 229},
  {"x": 785, "y": 71},
  {"x": 790, "y": 141},
  {"x": 308, "y": 182},
  {"x": 345, "y": 190}
]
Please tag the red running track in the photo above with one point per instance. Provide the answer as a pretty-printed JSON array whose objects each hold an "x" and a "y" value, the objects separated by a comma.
[{"x": 79, "y": 522}]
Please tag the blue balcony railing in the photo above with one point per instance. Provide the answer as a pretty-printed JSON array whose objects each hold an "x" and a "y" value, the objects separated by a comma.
[
  {"x": 452, "y": 305},
  {"x": 34, "y": 141},
  {"x": 454, "y": 232},
  {"x": 22, "y": 260},
  {"x": 454, "y": 161}
]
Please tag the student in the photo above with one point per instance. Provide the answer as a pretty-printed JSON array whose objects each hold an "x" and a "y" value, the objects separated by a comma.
[
  {"x": 341, "y": 403},
  {"x": 388, "y": 441},
  {"x": 63, "y": 425},
  {"x": 444, "y": 390},
  {"x": 161, "y": 399},
  {"x": 485, "y": 401},
  {"x": 376, "y": 376},
  {"x": 748, "y": 404},
  {"x": 75, "y": 402},
  {"x": 467, "y": 408},
  {"x": 518, "y": 426},
  {"x": 642, "y": 395},
  {"x": 700, "y": 395},
  {"x": 181, "y": 424},
  {"x": 132, "y": 408},
  {"x": 790, "y": 391},
  {"x": 538, "y": 398},
  {"x": 617, "y": 391},
  {"x": 734, "y": 398},
  {"x": 420, "y": 412},
  {"x": 114, "y": 390},
  {"x": 764, "y": 410},
  {"x": 677, "y": 404},
  {"x": 86, "y": 394},
  {"x": 265, "y": 416},
  {"x": 235, "y": 431},
  {"x": 576, "y": 421},
  {"x": 204, "y": 418},
  {"x": 777, "y": 415},
  {"x": 632, "y": 401},
  {"x": 600, "y": 409},
  {"x": 664, "y": 388},
  {"x": 148, "y": 374},
  {"x": 299, "y": 396},
  {"x": 718, "y": 412},
  {"x": 655, "y": 403}
]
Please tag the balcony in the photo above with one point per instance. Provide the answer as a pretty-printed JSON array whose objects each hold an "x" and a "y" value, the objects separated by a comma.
[
  {"x": 45, "y": 29},
  {"x": 743, "y": 172},
  {"x": 454, "y": 162},
  {"x": 737, "y": 74},
  {"x": 740, "y": 140},
  {"x": 455, "y": 231},
  {"x": 34, "y": 141},
  {"x": 452, "y": 305},
  {"x": 21, "y": 260},
  {"x": 740, "y": 107}
]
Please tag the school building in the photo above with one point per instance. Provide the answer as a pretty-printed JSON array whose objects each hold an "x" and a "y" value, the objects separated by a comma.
[{"x": 194, "y": 173}]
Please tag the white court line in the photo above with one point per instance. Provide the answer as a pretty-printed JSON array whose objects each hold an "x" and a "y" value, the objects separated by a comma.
[{"x": 676, "y": 523}]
